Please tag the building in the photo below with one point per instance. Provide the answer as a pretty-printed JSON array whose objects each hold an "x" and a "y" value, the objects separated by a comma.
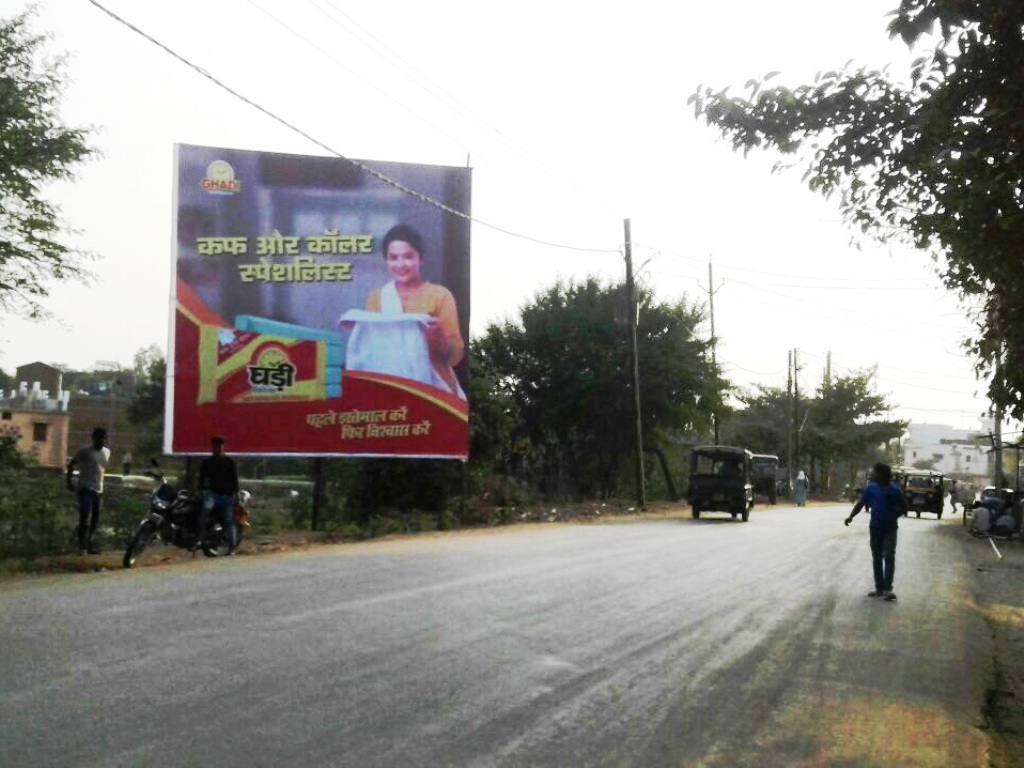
[
  {"x": 35, "y": 414},
  {"x": 963, "y": 454},
  {"x": 48, "y": 421}
]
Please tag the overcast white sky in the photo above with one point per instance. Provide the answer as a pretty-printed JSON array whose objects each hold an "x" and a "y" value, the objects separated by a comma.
[{"x": 573, "y": 117}]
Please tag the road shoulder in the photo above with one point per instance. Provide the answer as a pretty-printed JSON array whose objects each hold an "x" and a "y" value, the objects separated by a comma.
[{"x": 998, "y": 593}]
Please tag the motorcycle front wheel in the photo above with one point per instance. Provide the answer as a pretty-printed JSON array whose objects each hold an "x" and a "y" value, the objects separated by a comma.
[{"x": 142, "y": 539}]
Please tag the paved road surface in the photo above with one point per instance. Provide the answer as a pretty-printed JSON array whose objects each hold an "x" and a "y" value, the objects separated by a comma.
[{"x": 664, "y": 643}]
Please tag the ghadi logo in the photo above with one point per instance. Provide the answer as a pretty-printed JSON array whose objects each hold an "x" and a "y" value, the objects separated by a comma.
[{"x": 220, "y": 179}]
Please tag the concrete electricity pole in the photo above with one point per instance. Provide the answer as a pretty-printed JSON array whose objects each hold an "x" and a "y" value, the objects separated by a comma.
[{"x": 641, "y": 490}]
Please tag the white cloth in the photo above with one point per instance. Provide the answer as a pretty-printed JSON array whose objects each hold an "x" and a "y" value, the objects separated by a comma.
[
  {"x": 981, "y": 520},
  {"x": 391, "y": 341}
]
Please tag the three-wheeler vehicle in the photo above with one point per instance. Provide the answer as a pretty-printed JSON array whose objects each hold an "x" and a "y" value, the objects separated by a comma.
[{"x": 721, "y": 480}]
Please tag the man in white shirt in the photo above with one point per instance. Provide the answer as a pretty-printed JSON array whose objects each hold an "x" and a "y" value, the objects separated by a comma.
[{"x": 91, "y": 461}]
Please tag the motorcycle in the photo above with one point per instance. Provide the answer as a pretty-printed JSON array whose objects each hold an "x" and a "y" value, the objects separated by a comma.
[{"x": 173, "y": 518}]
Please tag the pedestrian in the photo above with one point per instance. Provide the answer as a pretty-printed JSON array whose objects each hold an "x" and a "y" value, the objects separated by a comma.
[
  {"x": 801, "y": 486},
  {"x": 126, "y": 463},
  {"x": 91, "y": 461},
  {"x": 218, "y": 479},
  {"x": 886, "y": 504},
  {"x": 952, "y": 495},
  {"x": 981, "y": 521}
]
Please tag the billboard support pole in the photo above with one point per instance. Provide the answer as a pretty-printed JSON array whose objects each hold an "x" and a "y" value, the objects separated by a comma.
[
  {"x": 318, "y": 492},
  {"x": 464, "y": 491}
]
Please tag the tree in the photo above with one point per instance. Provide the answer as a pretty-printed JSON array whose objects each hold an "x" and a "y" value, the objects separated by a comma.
[
  {"x": 762, "y": 424},
  {"x": 846, "y": 426},
  {"x": 147, "y": 406},
  {"x": 564, "y": 374},
  {"x": 938, "y": 163},
  {"x": 36, "y": 149}
]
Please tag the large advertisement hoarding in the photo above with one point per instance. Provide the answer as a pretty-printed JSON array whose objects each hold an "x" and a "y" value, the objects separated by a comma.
[{"x": 320, "y": 306}]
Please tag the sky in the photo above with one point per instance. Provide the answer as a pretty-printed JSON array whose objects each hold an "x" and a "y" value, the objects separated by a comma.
[{"x": 573, "y": 117}]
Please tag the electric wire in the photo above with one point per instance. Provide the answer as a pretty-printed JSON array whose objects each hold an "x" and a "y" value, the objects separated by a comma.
[
  {"x": 335, "y": 60},
  {"x": 362, "y": 166},
  {"x": 448, "y": 209},
  {"x": 438, "y": 91}
]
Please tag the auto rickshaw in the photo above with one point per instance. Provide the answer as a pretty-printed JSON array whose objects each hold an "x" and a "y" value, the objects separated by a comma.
[
  {"x": 923, "y": 489},
  {"x": 721, "y": 480}
]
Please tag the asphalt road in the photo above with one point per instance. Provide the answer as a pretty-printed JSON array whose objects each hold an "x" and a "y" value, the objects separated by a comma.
[{"x": 657, "y": 643}]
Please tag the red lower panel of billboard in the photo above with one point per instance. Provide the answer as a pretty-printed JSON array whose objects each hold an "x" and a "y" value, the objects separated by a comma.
[{"x": 277, "y": 395}]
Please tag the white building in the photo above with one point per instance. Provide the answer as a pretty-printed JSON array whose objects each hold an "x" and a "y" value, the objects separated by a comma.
[{"x": 965, "y": 454}]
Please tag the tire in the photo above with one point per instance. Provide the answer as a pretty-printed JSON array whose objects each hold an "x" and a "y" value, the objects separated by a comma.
[
  {"x": 918, "y": 515},
  {"x": 746, "y": 514},
  {"x": 142, "y": 539},
  {"x": 217, "y": 546},
  {"x": 695, "y": 512}
]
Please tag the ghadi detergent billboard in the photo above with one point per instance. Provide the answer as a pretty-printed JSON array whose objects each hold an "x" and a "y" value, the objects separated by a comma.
[{"x": 320, "y": 306}]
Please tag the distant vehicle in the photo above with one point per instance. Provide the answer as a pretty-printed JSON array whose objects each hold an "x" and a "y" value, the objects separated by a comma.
[
  {"x": 721, "y": 480},
  {"x": 766, "y": 475},
  {"x": 922, "y": 488}
]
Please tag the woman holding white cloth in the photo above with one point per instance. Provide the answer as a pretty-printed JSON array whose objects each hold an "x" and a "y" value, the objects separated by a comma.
[{"x": 409, "y": 294}]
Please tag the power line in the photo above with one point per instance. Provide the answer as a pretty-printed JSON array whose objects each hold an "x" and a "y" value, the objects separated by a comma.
[
  {"x": 847, "y": 286},
  {"x": 447, "y": 98},
  {"x": 748, "y": 370},
  {"x": 438, "y": 91},
  {"x": 362, "y": 166}
]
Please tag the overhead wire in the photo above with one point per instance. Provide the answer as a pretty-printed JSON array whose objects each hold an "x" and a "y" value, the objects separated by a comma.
[
  {"x": 822, "y": 304},
  {"x": 335, "y": 60},
  {"x": 448, "y": 209},
  {"x": 362, "y": 166},
  {"x": 428, "y": 84}
]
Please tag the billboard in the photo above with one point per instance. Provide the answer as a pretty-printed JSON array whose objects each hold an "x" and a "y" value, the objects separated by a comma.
[{"x": 320, "y": 306}]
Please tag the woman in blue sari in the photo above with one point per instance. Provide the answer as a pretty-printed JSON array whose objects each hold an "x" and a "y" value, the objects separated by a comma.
[{"x": 800, "y": 488}]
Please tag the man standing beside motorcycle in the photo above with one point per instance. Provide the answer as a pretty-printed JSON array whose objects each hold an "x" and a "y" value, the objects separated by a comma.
[
  {"x": 92, "y": 463},
  {"x": 218, "y": 480}
]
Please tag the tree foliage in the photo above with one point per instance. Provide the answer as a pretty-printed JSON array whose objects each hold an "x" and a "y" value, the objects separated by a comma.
[
  {"x": 147, "y": 406},
  {"x": 937, "y": 162},
  {"x": 560, "y": 395},
  {"x": 846, "y": 426},
  {"x": 763, "y": 424},
  {"x": 36, "y": 149},
  {"x": 839, "y": 429}
]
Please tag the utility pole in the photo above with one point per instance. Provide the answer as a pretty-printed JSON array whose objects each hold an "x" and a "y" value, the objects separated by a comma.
[
  {"x": 641, "y": 490},
  {"x": 997, "y": 439},
  {"x": 796, "y": 407},
  {"x": 790, "y": 462},
  {"x": 714, "y": 339}
]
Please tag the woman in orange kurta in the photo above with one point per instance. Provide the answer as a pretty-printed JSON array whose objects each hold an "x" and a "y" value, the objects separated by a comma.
[{"x": 403, "y": 253}]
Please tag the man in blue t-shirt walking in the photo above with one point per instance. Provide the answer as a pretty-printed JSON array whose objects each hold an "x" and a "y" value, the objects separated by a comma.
[{"x": 886, "y": 503}]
